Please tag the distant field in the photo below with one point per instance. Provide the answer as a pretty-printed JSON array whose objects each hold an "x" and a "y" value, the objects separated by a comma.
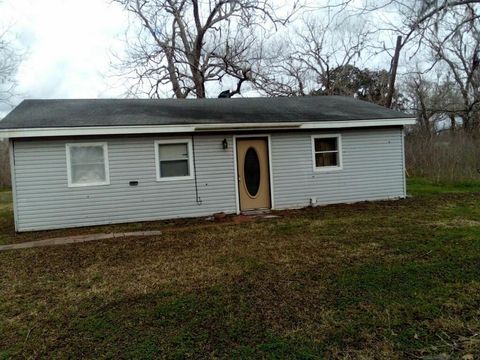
[{"x": 384, "y": 280}]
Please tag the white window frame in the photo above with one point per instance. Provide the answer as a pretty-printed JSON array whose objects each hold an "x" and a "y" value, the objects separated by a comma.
[
  {"x": 104, "y": 145},
  {"x": 339, "y": 165},
  {"x": 190, "y": 160}
]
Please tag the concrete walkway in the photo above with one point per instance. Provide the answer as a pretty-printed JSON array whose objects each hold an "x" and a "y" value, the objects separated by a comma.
[{"x": 76, "y": 239}]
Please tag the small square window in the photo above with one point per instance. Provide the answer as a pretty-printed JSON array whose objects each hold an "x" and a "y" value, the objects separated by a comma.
[
  {"x": 87, "y": 164},
  {"x": 173, "y": 159},
  {"x": 326, "y": 152}
]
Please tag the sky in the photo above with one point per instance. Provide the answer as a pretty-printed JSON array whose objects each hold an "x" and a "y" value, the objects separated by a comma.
[{"x": 67, "y": 46}]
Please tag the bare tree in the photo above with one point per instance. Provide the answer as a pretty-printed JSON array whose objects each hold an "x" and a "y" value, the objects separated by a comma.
[
  {"x": 185, "y": 44},
  {"x": 10, "y": 58},
  {"x": 436, "y": 102},
  {"x": 415, "y": 16},
  {"x": 457, "y": 48},
  {"x": 414, "y": 20},
  {"x": 9, "y": 61},
  {"x": 304, "y": 64}
]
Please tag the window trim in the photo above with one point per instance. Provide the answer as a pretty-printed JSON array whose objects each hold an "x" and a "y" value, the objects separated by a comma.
[
  {"x": 337, "y": 167},
  {"x": 190, "y": 160},
  {"x": 104, "y": 145}
]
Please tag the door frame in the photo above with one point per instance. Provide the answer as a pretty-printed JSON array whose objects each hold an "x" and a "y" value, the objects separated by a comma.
[{"x": 235, "y": 170}]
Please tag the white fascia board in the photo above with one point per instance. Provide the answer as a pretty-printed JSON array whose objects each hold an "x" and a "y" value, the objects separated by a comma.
[
  {"x": 94, "y": 130},
  {"x": 243, "y": 126},
  {"x": 357, "y": 123},
  {"x": 189, "y": 128},
  {"x": 307, "y": 125}
]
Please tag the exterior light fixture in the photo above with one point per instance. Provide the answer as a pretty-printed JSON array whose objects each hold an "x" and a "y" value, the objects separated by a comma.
[{"x": 225, "y": 144}]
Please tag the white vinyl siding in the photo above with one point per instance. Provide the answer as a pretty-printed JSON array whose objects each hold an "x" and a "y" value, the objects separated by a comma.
[
  {"x": 372, "y": 168},
  {"x": 372, "y": 162},
  {"x": 45, "y": 202}
]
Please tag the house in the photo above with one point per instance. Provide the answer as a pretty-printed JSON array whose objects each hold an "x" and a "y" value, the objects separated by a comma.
[{"x": 91, "y": 162}]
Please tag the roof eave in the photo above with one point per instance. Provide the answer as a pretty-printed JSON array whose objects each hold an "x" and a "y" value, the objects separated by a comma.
[{"x": 192, "y": 128}]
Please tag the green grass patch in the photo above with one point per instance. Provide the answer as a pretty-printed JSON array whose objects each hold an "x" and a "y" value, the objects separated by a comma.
[
  {"x": 422, "y": 186},
  {"x": 5, "y": 198}
]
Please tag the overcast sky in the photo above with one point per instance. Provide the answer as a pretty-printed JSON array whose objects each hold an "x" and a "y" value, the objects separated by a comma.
[{"x": 68, "y": 46}]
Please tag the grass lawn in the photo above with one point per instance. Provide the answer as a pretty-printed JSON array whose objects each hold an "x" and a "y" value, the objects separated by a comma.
[{"x": 384, "y": 280}]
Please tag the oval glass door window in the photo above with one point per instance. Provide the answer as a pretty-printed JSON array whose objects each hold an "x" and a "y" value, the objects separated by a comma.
[{"x": 251, "y": 171}]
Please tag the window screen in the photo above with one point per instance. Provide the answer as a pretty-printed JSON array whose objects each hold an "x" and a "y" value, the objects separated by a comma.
[
  {"x": 87, "y": 164},
  {"x": 173, "y": 160},
  {"x": 326, "y": 152}
]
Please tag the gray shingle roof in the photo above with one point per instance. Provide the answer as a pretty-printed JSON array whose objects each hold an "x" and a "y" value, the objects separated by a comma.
[{"x": 126, "y": 112}]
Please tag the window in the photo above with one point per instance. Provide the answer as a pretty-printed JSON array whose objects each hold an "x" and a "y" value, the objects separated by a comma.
[
  {"x": 87, "y": 164},
  {"x": 173, "y": 159},
  {"x": 327, "y": 152}
]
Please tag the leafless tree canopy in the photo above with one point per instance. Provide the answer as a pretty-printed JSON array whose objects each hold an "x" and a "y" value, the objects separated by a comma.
[
  {"x": 9, "y": 61},
  {"x": 436, "y": 102},
  {"x": 459, "y": 52},
  {"x": 447, "y": 84},
  {"x": 187, "y": 43},
  {"x": 303, "y": 64}
]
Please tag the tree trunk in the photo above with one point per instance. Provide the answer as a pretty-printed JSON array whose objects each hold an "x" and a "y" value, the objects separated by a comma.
[
  {"x": 393, "y": 73},
  {"x": 453, "y": 124}
]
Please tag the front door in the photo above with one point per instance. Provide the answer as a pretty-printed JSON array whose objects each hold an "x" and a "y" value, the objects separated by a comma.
[{"x": 253, "y": 173}]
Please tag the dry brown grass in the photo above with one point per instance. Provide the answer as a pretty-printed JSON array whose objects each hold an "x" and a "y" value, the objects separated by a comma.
[{"x": 447, "y": 157}]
